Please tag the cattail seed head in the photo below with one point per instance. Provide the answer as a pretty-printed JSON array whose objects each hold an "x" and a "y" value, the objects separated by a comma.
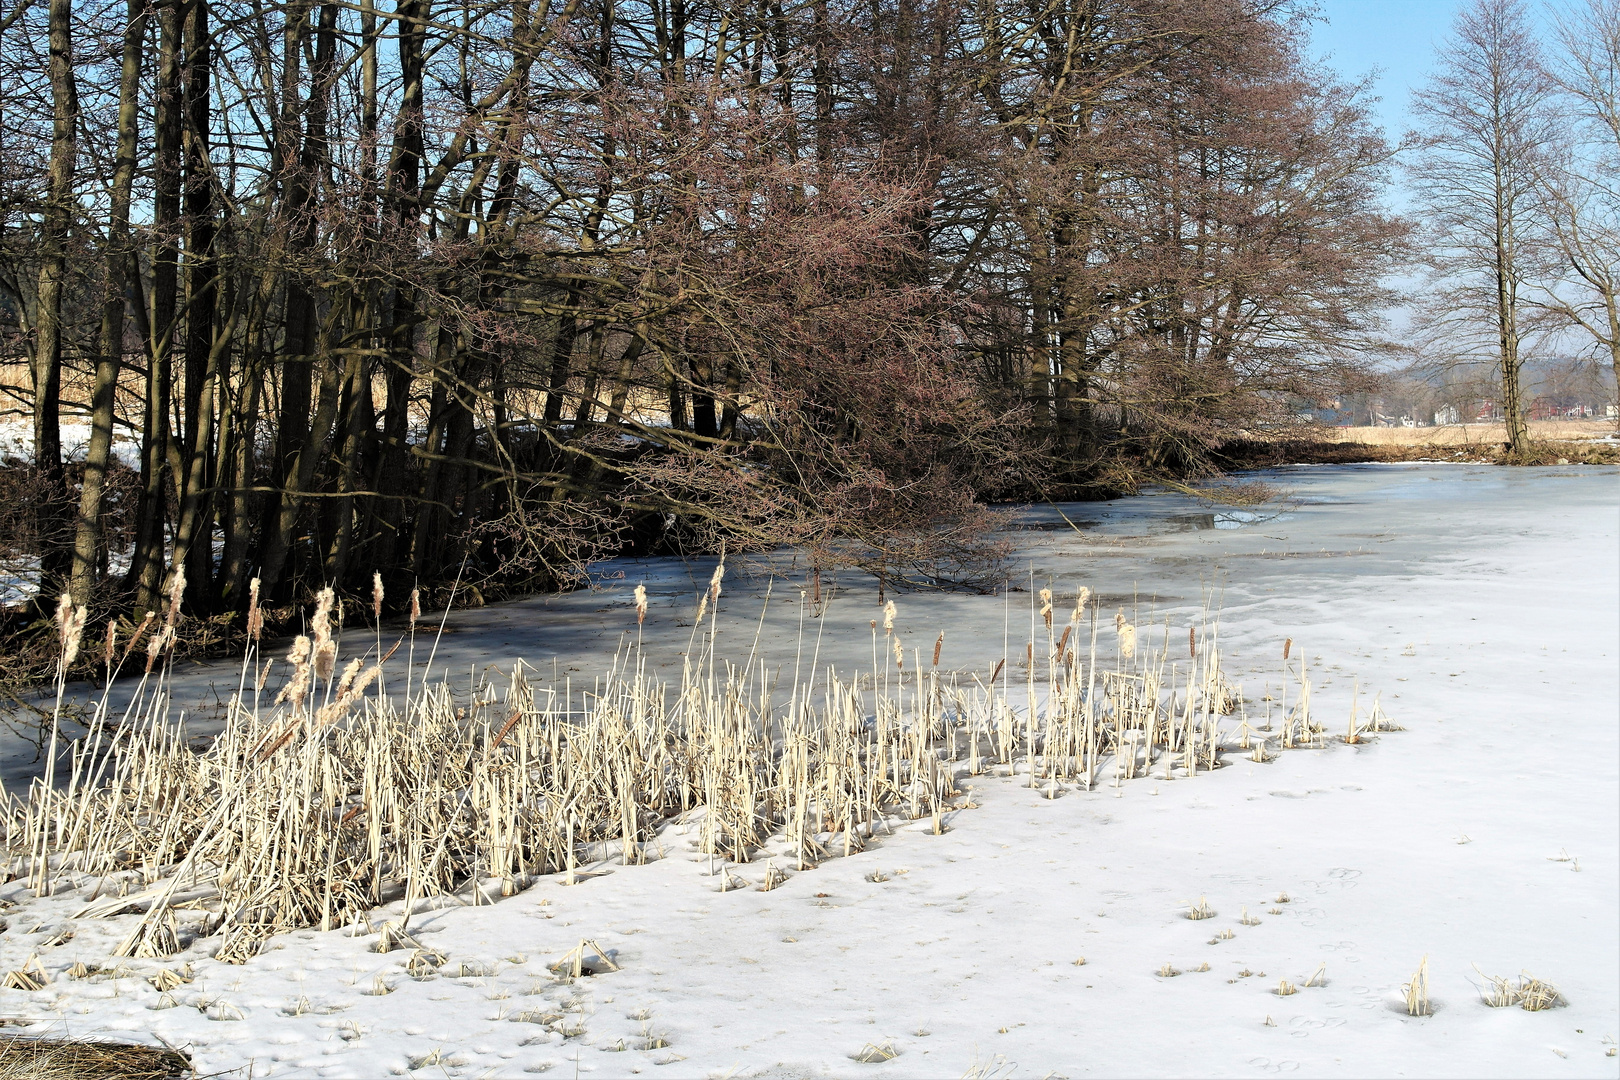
[
  {"x": 177, "y": 590},
  {"x": 1063, "y": 642},
  {"x": 325, "y": 658},
  {"x": 340, "y": 706},
  {"x": 135, "y": 638},
  {"x": 714, "y": 581},
  {"x": 298, "y": 685},
  {"x": 1080, "y": 600},
  {"x": 64, "y": 616},
  {"x": 888, "y": 617},
  {"x": 641, "y": 604},
  {"x": 1046, "y": 607},
  {"x": 1192, "y": 643},
  {"x": 264, "y": 674},
  {"x": 899, "y": 654},
  {"x": 703, "y": 607},
  {"x": 1119, "y": 620},
  {"x": 350, "y": 670},
  {"x": 376, "y": 595},
  {"x": 155, "y": 647},
  {"x": 416, "y": 606},
  {"x": 320, "y": 624},
  {"x": 112, "y": 642},
  {"x": 1288, "y": 643},
  {"x": 939, "y": 643},
  {"x": 255, "y": 617},
  {"x": 1127, "y": 641},
  {"x": 73, "y": 635}
]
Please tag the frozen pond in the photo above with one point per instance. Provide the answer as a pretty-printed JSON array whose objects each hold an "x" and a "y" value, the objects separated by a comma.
[{"x": 1482, "y": 603}]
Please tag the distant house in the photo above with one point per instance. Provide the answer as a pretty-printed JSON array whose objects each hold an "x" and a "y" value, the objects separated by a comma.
[{"x": 1445, "y": 415}]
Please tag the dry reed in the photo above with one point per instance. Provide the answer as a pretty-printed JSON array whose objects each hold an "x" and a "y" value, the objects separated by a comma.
[
  {"x": 62, "y": 1059},
  {"x": 1417, "y": 991},
  {"x": 332, "y": 803},
  {"x": 1527, "y": 992}
]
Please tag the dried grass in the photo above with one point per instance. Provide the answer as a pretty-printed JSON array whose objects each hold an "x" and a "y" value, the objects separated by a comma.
[
  {"x": 1526, "y": 991},
  {"x": 1469, "y": 434},
  {"x": 1417, "y": 991},
  {"x": 873, "y": 1053},
  {"x": 320, "y": 808},
  {"x": 24, "y": 1058}
]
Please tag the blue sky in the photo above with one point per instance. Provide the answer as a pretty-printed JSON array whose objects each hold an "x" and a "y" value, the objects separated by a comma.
[{"x": 1396, "y": 37}]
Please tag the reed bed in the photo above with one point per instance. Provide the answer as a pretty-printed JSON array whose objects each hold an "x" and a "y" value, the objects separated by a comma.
[{"x": 335, "y": 798}]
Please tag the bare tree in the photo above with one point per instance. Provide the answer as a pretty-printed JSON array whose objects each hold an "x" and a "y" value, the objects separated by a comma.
[
  {"x": 504, "y": 288},
  {"x": 1484, "y": 128},
  {"x": 1580, "y": 180}
]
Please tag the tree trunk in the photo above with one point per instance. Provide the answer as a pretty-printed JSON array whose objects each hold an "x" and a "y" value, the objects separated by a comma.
[
  {"x": 109, "y": 361},
  {"x": 146, "y": 569},
  {"x": 52, "y": 529}
]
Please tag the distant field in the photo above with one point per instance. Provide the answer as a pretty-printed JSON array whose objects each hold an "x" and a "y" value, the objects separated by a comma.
[{"x": 1467, "y": 434}]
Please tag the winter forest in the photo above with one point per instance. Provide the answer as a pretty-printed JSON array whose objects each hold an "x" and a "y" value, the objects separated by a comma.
[
  {"x": 490, "y": 290},
  {"x": 831, "y": 538}
]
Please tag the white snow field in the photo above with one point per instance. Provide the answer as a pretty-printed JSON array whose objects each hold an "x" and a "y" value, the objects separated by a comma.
[{"x": 1482, "y": 603}]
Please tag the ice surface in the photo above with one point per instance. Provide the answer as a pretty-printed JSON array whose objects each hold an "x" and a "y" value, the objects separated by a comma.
[{"x": 1483, "y": 603}]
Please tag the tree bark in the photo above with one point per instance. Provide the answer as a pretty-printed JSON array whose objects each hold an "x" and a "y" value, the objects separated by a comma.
[
  {"x": 52, "y": 528},
  {"x": 119, "y": 263}
]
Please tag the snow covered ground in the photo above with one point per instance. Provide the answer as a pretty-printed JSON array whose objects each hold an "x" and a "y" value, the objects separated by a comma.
[{"x": 1483, "y": 603}]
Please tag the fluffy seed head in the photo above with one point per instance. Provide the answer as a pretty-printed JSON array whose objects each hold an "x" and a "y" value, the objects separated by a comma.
[
  {"x": 64, "y": 616},
  {"x": 1127, "y": 641},
  {"x": 376, "y": 595},
  {"x": 416, "y": 605},
  {"x": 177, "y": 589},
  {"x": 73, "y": 634},
  {"x": 1119, "y": 619},
  {"x": 350, "y": 670},
  {"x": 714, "y": 581},
  {"x": 255, "y": 617},
  {"x": 112, "y": 642},
  {"x": 320, "y": 623},
  {"x": 1046, "y": 607},
  {"x": 1080, "y": 602},
  {"x": 325, "y": 658},
  {"x": 298, "y": 685},
  {"x": 641, "y": 604},
  {"x": 888, "y": 617}
]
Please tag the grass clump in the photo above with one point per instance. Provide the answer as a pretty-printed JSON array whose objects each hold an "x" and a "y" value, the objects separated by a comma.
[
  {"x": 1417, "y": 991},
  {"x": 1526, "y": 991},
  {"x": 67, "y": 1059},
  {"x": 873, "y": 1053}
]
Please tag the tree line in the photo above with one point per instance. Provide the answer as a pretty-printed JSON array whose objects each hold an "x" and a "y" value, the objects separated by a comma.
[
  {"x": 480, "y": 292},
  {"x": 1516, "y": 170}
]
